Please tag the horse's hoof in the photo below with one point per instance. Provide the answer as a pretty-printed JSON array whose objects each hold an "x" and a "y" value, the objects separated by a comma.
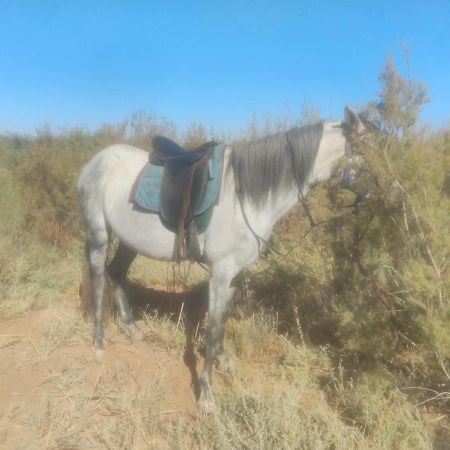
[
  {"x": 206, "y": 405},
  {"x": 99, "y": 354},
  {"x": 135, "y": 332},
  {"x": 132, "y": 331}
]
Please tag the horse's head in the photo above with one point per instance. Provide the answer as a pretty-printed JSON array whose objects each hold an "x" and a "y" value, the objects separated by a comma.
[
  {"x": 355, "y": 133},
  {"x": 341, "y": 139}
]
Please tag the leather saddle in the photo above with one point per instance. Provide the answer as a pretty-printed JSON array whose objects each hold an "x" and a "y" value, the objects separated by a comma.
[{"x": 183, "y": 184}]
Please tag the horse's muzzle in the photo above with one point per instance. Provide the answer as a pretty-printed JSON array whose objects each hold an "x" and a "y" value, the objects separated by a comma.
[{"x": 349, "y": 180}]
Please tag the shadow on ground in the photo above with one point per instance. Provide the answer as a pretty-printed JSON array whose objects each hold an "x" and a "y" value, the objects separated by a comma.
[{"x": 191, "y": 304}]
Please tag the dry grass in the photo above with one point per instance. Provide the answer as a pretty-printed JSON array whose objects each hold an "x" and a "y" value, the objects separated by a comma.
[
  {"x": 34, "y": 276},
  {"x": 74, "y": 403},
  {"x": 280, "y": 396},
  {"x": 77, "y": 411}
]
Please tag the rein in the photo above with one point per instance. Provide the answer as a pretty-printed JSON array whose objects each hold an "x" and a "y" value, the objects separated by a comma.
[
  {"x": 355, "y": 254},
  {"x": 302, "y": 198},
  {"x": 259, "y": 239}
]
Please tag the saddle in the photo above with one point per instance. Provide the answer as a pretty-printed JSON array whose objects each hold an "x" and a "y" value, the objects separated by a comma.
[{"x": 183, "y": 185}]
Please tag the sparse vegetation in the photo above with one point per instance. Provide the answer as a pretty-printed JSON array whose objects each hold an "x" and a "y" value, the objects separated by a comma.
[{"x": 344, "y": 343}]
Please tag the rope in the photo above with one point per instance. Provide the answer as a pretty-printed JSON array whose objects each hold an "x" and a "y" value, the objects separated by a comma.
[{"x": 259, "y": 239}]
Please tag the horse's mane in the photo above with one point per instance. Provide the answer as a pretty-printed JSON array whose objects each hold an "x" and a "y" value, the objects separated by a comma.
[{"x": 275, "y": 163}]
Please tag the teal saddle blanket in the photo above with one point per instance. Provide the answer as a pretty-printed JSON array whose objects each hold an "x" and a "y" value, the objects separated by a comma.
[{"x": 148, "y": 188}]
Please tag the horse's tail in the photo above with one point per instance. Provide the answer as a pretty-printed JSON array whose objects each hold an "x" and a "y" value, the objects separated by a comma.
[{"x": 85, "y": 291}]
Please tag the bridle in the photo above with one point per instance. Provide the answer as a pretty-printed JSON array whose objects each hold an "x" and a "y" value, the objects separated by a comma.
[
  {"x": 349, "y": 135},
  {"x": 349, "y": 153}
]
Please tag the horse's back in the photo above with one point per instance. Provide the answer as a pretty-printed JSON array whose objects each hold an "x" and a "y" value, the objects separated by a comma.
[
  {"x": 96, "y": 175},
  {"x": 104, "y": 162}
]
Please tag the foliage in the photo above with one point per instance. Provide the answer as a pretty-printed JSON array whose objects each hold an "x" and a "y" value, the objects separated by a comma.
[
  {"x": 374, "y": 285},
  {"x": 400, "y": 102}
]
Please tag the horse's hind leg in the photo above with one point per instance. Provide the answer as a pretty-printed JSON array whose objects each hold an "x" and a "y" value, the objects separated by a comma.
[
  {"x": 97, "y": 247},
  {"x": 117, "y": 271}
]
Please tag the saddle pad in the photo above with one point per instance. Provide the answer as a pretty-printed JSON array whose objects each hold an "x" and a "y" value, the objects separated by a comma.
[{"x": 148, "y": 186}]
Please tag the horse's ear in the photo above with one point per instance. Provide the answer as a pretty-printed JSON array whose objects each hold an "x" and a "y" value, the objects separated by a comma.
[{"x": 352, "y": 119}]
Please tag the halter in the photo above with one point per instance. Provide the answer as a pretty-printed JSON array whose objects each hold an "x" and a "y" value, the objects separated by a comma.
[
  {"x": 349, "y": 153},
  {"x": 349, "y": 134}
]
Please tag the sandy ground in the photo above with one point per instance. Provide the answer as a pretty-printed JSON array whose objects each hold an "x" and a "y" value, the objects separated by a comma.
[{"x": 48, "y": 376}]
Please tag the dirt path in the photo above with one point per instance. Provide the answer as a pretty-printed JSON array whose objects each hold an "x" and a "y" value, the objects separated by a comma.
[{"x": 52, "y": 393}]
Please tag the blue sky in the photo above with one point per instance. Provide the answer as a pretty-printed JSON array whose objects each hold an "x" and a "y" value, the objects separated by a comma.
[{"x": 69, "y": 63}]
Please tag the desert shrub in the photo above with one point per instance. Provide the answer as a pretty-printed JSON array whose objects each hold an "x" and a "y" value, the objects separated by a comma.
[
  {"x": 11, "y": 204},
  {"x": 373, "y": 285},
  {"x": 47, "y": 172},
  {"x": 302, "y": 402}
]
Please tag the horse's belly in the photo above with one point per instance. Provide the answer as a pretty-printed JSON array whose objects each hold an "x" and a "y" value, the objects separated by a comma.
[{"x": 141, "y": 231}]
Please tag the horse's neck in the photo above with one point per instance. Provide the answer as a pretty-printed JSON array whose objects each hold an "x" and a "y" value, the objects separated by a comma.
[{"x": 265, "y": 216}]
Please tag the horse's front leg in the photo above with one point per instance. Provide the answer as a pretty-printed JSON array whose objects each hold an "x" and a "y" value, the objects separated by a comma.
[{"x": 220, "y": 296}]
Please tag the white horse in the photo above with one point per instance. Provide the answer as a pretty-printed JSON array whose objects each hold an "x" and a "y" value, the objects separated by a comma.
[{"x": 271, "y": 174}]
